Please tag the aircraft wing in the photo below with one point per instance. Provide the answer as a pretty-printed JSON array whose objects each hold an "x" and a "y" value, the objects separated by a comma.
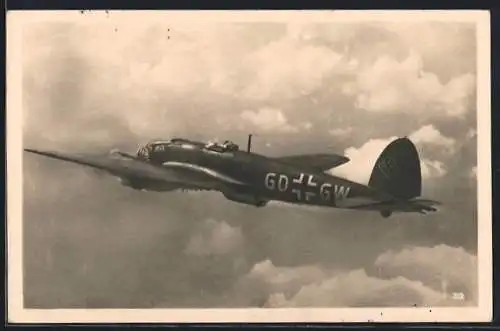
[
  {"x": 125, "y": 166},
  {"x": 316, "y": 162}
]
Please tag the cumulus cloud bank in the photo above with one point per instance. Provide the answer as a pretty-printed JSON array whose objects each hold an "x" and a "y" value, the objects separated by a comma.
[
  {"x": 418, "y": 276},
  {"x": 429, "y": 135},
  {"x": 392, "y": 86},
  {"x": 214, "y": 238},
  {"x": 339, "y": 87}
]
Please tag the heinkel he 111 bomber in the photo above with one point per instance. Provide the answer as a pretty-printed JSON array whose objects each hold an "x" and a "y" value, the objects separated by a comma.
[{"x": 242, "y": 176}]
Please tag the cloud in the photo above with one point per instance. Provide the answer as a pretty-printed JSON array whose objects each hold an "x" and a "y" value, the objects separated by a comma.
[
  {"x": 432, "y": 39},
  {"x": 417, "y": 276},
  {"x": 340, "y": 132},
  {"x": 234, "y": 60},
  {"x": 214, "y": 238},
  {"x": 441, "y": 267},
  {"x": 356, "y": 289},
  {"x": 242, "y": 62},
  {"x": 473, "y": 172},
  {"x": 429, "y": 135},
  {"x": 471, "y": 134},
  {"x": 306, "y": 125},
  {"x": 268, "y": 119},
  {"x": 391, "y": 86},
  {"x": 265, "y": 278},
  {"x": 362, "y": 160},
  {"x": 301, "y": 73},
  {"x": 432, "y": 169}
]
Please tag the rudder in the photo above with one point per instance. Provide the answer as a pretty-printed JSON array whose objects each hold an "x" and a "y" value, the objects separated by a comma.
[{"x": 397, "y": 170}]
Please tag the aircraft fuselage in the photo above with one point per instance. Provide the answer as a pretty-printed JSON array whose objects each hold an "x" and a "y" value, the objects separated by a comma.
[
  {"x": 269, "y": 179},
  {"x": 241, "y": 176}
]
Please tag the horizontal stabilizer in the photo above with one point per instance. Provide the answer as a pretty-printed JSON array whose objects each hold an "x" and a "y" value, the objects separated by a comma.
[
  {"x": 315, "y": 162},
  {"x": 425, "y": 202},
  {"x": 424, "y": 205},
  {"x": 413, "y": 205},
  {"x": 357, "y": 202}
]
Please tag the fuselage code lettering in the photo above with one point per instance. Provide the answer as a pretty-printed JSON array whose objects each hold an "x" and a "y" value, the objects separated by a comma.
[{"x": 305, "y": 187}]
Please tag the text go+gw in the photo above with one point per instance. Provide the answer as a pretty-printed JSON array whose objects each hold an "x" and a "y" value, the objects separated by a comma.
[{"x": 282, "y": 183}]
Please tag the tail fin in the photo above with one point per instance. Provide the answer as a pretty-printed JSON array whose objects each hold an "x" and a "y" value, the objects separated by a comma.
[{"x": 397, "y": 170}]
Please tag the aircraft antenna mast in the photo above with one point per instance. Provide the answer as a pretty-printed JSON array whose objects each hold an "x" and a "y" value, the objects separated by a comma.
[{"x": 249, "y": 145}]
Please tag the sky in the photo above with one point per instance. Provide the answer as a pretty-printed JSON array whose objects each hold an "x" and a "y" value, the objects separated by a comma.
[{"x": 346, "y": 88}]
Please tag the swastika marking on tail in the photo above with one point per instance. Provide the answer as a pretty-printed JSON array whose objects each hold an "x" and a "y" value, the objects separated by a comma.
[{"x": 387, "y": 166}]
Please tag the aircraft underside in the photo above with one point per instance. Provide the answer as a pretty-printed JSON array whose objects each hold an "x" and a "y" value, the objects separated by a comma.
[
  {"x": 243, "y": 198},
  {"x": 247, "y": 199},
  {"x": 385, "y": 209}
]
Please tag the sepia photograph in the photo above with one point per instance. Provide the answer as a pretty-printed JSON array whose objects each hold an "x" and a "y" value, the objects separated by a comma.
[{"x": 249, "y": 166}]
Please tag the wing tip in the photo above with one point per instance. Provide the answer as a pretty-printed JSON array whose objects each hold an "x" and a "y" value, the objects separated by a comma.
[
  {"x": 50, "y": 154},
  {"x": 36, "y": 151},
  {"x": 32, "y": 150}
]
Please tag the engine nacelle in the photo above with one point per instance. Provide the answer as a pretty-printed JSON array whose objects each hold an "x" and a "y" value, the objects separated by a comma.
[
  {"x": 148, "y": 186},
  {"x": 130, "y": 183},
  {"x": 247, "y": 199}
]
